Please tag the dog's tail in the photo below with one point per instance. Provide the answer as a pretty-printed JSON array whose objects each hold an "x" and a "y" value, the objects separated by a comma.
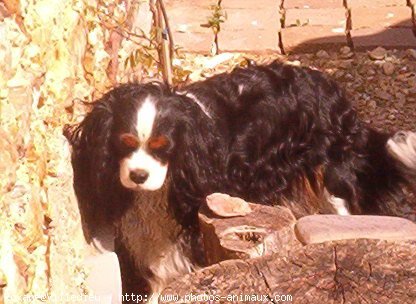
[
  {"x": 393, "y": 168},
  {"x": 402, "y": 147}
]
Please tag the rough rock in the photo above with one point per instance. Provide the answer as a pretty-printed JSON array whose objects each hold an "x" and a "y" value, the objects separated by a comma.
[
  {"x": 388, "y": 68},
  {"x": 372, "y": 104},
  {"x": 411, "y": 53},
  {"x": 346, "y": 53},
  {"x": 378, "y": 53},
  {"x": 322, "y": 54},
  {"x": 8, "y": 162}
]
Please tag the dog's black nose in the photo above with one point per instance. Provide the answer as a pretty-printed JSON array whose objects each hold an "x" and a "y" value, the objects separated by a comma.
[{"x": 139, "y": 176}]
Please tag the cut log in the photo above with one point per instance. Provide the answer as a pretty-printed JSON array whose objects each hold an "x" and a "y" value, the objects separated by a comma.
[
  {"x": 262, "y": 231},
  {"x": 323, "y": 228},
  {"x": 351, "y": 271}
]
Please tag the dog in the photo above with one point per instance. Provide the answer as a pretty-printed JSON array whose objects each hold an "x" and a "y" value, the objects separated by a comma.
[{"x": 146, "y": 157}]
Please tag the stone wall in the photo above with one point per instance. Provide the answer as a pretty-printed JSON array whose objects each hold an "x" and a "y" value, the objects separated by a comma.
[{"x": 53, "y": 54}]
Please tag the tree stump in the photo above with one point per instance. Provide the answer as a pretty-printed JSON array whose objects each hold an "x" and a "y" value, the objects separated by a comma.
[
  {"x": 351, "y": 271},
  {"x": 263, "y": 231},
  {"x": 262, "y": 254}
]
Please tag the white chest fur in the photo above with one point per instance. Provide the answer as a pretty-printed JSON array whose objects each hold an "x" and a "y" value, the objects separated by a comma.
[{"x": 154, "y": 241}]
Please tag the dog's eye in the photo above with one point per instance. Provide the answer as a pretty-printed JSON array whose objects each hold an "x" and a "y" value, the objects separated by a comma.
[
  {"x": 158, "y": 142},
  {"x": 129, "y": 140}
]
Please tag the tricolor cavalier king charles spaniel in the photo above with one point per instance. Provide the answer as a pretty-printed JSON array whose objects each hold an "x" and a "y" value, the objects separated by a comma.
[{"x": 145, "y": 158}]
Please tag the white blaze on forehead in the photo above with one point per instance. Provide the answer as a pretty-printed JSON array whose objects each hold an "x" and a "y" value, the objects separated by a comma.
[{"x": 145, "y": 119}]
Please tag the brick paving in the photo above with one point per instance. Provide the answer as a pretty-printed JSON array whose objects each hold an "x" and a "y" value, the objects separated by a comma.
[
  {"x": 250, "y": 26},
  {"x": 313, "y": 4},
  {"x": 188, "y": 20},
  {"x": 381, "y": 17},
  {"x": 375, "y": 3},
  {"x": 317, "y": 37},
  {"x": 312, "y": 17},
  {"x": 290, "y": 26},
  {"x": 394, "y": 38}
]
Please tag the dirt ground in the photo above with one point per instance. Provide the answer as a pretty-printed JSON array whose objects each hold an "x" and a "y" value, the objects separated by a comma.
[{"x": 383, "y": 90}]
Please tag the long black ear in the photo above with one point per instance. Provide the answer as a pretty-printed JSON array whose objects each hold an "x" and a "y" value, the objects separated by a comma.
[
  {"x": 196, "y": 167},
  {"x": 96, "y": 174}
]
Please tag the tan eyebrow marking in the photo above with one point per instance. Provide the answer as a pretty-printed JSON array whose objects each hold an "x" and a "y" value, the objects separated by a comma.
[
  {"x": 129, "y": 140},
  {"x": 157, "y": 142}
]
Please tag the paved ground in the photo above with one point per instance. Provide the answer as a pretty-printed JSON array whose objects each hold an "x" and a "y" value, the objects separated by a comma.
[{"x": 294, "y": 26}]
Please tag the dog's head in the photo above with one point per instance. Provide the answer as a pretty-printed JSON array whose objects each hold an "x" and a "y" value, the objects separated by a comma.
[
  {"x": 141, "y": 148},
  {"x": 131, "y": 131}
]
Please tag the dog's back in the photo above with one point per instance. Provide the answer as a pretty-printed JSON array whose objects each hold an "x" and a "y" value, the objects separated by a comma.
[{"x": 293, "y": 137}]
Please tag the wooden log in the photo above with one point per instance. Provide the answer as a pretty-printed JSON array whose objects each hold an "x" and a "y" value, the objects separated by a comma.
[
  {"x": 263, "y": 231},
  {"x": 351, "y": 271}
]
